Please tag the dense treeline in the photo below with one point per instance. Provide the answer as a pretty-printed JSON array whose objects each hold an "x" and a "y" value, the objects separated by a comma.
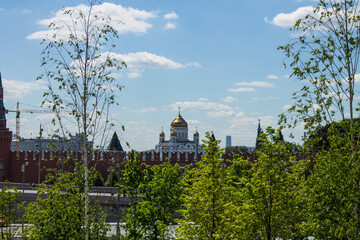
[{"x": 274, "y": 197}]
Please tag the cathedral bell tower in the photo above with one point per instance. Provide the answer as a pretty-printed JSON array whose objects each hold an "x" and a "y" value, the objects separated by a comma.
[
  {"x": 5, "y": 138},
  {"x": 162, "y": 136}
]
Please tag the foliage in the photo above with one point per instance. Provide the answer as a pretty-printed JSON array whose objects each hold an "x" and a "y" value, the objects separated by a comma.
[
  {"x": 112, "y": 178},
  {"x": 160, "y": 199},
  {"x": 154, "y": 193},
  {"x": 332, "y": 189},
  {"x": 236, "y": 208},
  {"x": 274, "y": 191},
  {"x": 236, "y": 149},
  {"x": 206, "y": 197},
  {"x": 58, "y": 212},
  {"x": 320, "y": 137},
  {"x": 130, "y": 182},
  {"x": 10, "y": 207},
  {"x": 97, "y": 179}
]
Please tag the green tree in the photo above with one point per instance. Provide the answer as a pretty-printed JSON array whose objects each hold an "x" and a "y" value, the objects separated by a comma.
[
  {"x": 10, "y": 208},
  {"x": 112, "y": 179},
  {"x": 97, "y": 179},
  {"x": 58, "y": 212},
  {"x": 236, "y": 149},
  {"x": 79, "y": 67},
  {"x": 206, "y": 197},
  {"x": 325, "y": 58},
  {"x": 331, "y": 190},
  {"x": 130, "y": 182},
  {"x": 239, "y": 218},
  {"x": 160, "y": 200},
  {"x": 274, "y": 191}
]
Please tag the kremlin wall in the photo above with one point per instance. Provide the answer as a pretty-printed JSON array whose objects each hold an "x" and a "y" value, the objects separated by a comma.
[{"x": 10, "y": 166}]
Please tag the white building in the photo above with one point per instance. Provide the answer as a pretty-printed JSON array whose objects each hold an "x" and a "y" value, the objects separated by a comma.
[
  {"x": 179, "y": 141},
  {"x": 72, "y": 143}
]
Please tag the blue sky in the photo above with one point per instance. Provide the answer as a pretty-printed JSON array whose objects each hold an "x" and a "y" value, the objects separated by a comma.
[{"x": 217, "y": 60}]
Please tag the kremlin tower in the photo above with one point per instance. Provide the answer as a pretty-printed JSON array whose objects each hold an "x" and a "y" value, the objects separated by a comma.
[{"x": 5, "y": 137}]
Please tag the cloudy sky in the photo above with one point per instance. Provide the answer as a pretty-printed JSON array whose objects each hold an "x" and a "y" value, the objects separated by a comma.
[{"x": 217, "y": 60}]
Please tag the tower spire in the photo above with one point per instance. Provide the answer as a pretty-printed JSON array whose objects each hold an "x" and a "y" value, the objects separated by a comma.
[
  {"x": 115, "y": 144},
  {"x": 2, "y": 107},
  {"x": 259, "y": 131}
]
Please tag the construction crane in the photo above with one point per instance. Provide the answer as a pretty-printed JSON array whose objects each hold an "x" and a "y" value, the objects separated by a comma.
[{"x": 17, "y": 135}]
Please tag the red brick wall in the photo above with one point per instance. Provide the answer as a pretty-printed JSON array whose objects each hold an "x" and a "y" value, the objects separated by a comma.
[
  {"x": 5, "y": 164},
  {"x": 102, "y": 164}
]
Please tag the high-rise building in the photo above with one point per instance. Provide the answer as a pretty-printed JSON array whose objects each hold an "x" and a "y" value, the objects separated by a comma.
[{"x": 228, "y": 141}]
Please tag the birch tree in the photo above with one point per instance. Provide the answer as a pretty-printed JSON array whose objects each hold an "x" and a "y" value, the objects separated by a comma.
[
  {"x": 79, "y": 67},
  {"x": 325, "y": 58}
]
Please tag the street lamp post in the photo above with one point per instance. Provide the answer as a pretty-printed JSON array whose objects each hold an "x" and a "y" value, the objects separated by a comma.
[
  {"x": 118, "y": 233},
  {"x": 40, "y": 154},
  {"x": 118, "y": 201},
  {"x": 23, "y": 189}
]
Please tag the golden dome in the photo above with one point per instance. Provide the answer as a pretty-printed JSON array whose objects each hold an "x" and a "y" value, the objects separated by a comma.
[
  {"x": 196, "y": 133},
  {"x": 173, "y": 133},
  {"x": 162, "y": 134},
  {"x": 179, "y": 122}
]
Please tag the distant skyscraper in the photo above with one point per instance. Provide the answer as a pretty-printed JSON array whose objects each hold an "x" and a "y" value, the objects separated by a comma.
[{"x": 228, "y": 141}]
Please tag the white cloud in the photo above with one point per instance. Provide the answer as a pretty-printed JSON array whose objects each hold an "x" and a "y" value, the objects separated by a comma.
[
  {"x": 150, "y": 109},
  {"x": 194, "y": 64},
  {"x": 265, "y": 121},
  {"x": 193, "y": 122},
  {"x": 287, "y": 107},
  {"x": 171, "y": 15},
  {"x": 203, "y": 99},
  {"x": 124, "y": 20},
  {"x": 225, "y": 114},
  {"x": 245, "y": 89},
  {"x": 135, "y": 122},
  {"x": 143, "y": 110},
  {"x": 289, "y": 19},
  {"x": 169, "y": 26},
  {"x": 26, "y": 11},
  {"x": 212, "y": 109},
  {"x": 256, "y": 84},
  {"x": 264, "y": 98},
  {"x": 17, "y": 89},
  {"x": 139, "y": 61},
  {"x": 201, "y": 105},
  {"x": 272, "y": 76},
  {"x": 147, "y": 60},
  {"x": 45, "y": 117},
  {"x": 134, "y": 74},
  {"x": 229, "y": 99}
]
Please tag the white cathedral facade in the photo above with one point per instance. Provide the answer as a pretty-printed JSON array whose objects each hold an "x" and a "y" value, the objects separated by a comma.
[{"x": 179, "y": 141}]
